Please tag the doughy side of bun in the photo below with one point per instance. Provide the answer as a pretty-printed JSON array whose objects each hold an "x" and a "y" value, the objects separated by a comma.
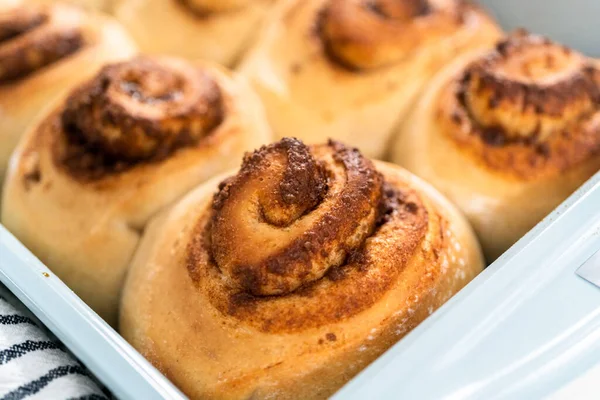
[{"x": 213, "y": 30}]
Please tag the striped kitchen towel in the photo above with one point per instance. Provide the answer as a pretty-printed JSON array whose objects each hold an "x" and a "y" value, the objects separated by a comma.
[{"x": 34, "y": 364}]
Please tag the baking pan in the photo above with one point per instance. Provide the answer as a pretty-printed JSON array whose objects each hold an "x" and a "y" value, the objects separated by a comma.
[{"x": 528, "y": 327}]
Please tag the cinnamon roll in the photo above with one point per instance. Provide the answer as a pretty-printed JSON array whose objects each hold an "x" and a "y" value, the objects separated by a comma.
[
  {"x": 43, "y": 51},
  {"x": 286, "y": 279},
  {"x": 88, "y": 176},
  {"x": 507, "y": 135},
  {"x": 216, "y": 30},
  {"x": 349, "y": 69}
]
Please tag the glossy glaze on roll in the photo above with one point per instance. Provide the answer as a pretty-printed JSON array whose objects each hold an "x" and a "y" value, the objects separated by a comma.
[
  {"x": 119, "y": 148},
  {"x": 288, "y": 278},
  {"x": 349, "y": 69},
  {"x": 45, "y": 50},
  {"x": 215, "y": 30},
  {"x": 508, "y": 135}
]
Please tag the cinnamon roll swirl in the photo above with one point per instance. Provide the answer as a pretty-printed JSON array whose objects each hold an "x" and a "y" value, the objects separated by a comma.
[
  {"x": 507, "y": 135},
  {"x": 216, "y": 30},
  {"x": 288, "y": 278},
  {"x": 44, "y": 50},
  {"x": 349, "y": 69},
  {"x": 123, "y": 145}
]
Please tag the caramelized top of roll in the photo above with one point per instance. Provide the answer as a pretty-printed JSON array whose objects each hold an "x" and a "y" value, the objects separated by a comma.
[
  {"x": 33, "y": 37},
  {"x": 207, "y": 7},
  {"x": 530, "y": 107},
  {"x": 365, "y": 34},
  {"x": 300, "y": 230},
  {"x": 142, "y": 109},
  {"x": 284, "y": 182}
]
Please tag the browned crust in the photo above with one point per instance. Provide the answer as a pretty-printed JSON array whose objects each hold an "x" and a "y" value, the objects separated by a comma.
[
  {"x": 135, "y": 112},
  {"x": 366, "y": 274},
  {"x": 366, "y": 34},
  {"x": 201, "y": 13},
  {"x": 329, "y": 237},
  {"x": 555, "y": 120},
  {"x": 303, "y": 185},
  {"x": 13, "y": 24},
  {"x": 204, "y": 12},
  {"x": 32, "y": 38}
]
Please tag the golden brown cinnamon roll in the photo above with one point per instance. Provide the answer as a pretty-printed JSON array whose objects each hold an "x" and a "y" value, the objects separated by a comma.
[
  {"x": 123, "y": 145},
  {"x": 508, "y": 135},
  {"x": 216, "y": 30},
  {"x": 44, "y": 50},
  {"x": 350, "y": 69},
  {"x": 301, "y": 269}
]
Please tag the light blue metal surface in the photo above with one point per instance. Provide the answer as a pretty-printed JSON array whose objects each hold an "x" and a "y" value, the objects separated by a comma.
[
  {"x": 572, "y": 22},
  {"x": 523, "y": 329},
  {"x": 123, "y": 370},
  {"x": 591, "y": 270}
]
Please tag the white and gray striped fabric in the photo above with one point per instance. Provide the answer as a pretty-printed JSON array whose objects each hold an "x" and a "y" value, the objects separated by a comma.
[{"x": 34, "y": 364}]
